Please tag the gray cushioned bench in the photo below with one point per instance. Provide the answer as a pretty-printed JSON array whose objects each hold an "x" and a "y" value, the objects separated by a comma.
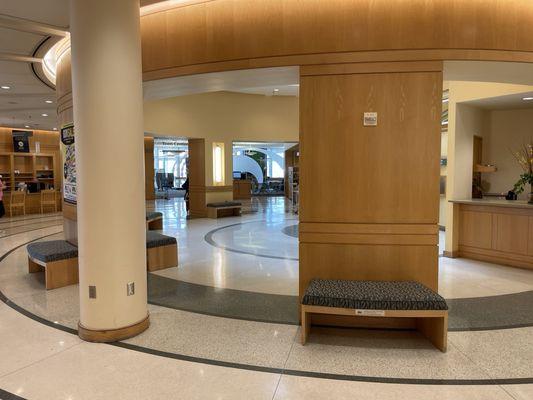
[
  {"x": 154, "y": 220},
  {"x": 224, "y": 209},
  {"x": 58, "y": 258},
  {"x": 161, "y": 251},
  {"x": 378, "y": 299}
]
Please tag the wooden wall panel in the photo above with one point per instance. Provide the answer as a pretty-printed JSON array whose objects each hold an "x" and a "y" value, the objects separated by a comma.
[
  {"x": 369, "y": 196},
  {"x": 149, "y": 168},
  {"x": 236, "y": 34},
  {"x": 510, "y": 233},
  {"x": 197, "y": 188},
  {"x": 476, "y": 229}
]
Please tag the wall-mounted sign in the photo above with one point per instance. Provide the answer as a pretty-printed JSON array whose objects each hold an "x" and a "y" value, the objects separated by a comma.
[
  {"x": 21, "y": 143},
  {"x": 69, "y": 164},
  {"x": 370, "y": 119}
]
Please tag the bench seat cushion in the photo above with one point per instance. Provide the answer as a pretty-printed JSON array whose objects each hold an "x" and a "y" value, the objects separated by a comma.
[
  {"x": 372, "y": 295},
  {"x": 54, "y": 250},
  {"x": 225, "y": 204},
  {"x": 154, "y": 239},
  {"x": 153, "y": 215}
]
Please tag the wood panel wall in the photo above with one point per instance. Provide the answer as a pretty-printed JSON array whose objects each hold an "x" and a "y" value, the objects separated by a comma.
[
  {"x": 377, "y": 213},
  {"x": 149, "y": 168},
  {"x": 197, "y": 188},
  {"x": 236, "y": 34}
]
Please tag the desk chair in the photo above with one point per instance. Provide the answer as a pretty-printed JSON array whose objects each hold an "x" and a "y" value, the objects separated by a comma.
[
  {"x": 48, "y": 199},
  {"x": 18, "y": 200}
]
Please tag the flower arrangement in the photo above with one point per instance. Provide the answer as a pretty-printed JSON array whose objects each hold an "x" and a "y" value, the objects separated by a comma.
[{"x": 524, "y": 156}]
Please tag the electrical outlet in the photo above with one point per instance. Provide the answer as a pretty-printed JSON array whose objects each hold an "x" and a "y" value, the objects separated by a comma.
[
  {"x": 92, "y": 292},
  {"x": 130, "y": 288}
]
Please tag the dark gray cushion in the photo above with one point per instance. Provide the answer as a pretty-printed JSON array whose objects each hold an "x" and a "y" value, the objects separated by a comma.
[
  {"x": 372, "y": 295},
  {"x": 54, "y": 250},
  {"x": 225, "y": 204},
  {"x": 153, "y": 215},
  {"x": 154, "y": 239}
]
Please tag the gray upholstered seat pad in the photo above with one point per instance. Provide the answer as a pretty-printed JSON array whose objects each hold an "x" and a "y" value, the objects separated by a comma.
[
  {"x": 225, "y": 204},
  {"x": 54, "y": 250},
  {"x": 153, "y": 215},
  {"x": 154, "y": 239},
  {"x": 372, "y": 295}
]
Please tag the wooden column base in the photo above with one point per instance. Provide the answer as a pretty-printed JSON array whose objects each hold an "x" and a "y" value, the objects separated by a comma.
[{"x": 113, "y": 335}]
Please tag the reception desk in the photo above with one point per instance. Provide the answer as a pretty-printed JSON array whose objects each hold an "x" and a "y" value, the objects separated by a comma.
[
  {"x": 33, "y": 203},
  {"x": 242, "y": 189},
  {"x": 497, "y": 231}
]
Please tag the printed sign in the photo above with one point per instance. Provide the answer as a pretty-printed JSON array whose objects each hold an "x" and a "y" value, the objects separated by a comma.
[
  {"x": 370, "y": 119},
  {"x": 370, "y": 313},
  {"x": 69, "y": 164},
  {"x": 21, "y": 142}
]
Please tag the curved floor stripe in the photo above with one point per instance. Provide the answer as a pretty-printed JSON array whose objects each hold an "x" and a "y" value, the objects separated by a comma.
[{"x": 418, "y": 381}]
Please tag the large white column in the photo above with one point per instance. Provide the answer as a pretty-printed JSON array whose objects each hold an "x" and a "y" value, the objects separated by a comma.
[{"x": 108, "y": 123}]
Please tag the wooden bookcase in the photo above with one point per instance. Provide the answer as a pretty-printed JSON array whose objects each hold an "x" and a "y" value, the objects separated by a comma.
[{"x": 17, "y": 168}]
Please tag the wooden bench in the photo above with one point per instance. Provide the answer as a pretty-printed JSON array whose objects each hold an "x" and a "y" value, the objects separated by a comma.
[
  {"x": 224, "y": 209},
  {"x": 378, "y": 299},
  {"x": 59, "y": 260},
  {"x": 154, "y": 221},
  {"x": 161, "y": 251}
]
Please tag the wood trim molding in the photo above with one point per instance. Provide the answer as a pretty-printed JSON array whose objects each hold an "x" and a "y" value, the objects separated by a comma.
[
  {"x": 391, "y": 229},
  {"x": 374, "y": 239},
  {"x": 212, "y": 189},
  {"x": 113, "y": 335},
  {"x": 451, "y": 254},
  {"x": 372, "y": 68}
]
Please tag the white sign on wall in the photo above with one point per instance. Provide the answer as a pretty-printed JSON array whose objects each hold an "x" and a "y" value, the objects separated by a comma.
[{"x": 370, "y": 119}]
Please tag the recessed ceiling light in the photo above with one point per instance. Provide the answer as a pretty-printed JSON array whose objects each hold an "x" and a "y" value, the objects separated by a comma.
[
  {"x": 48, "y": 101},
  {"x": 276, "y": 90},
  {"x": 5, "y": 87},
  {"x": 44, "y": 115},
  {"x": 527, "y": 98},
  {"x": 26, "y": 126},
  {"x": 55, "y": 129}
]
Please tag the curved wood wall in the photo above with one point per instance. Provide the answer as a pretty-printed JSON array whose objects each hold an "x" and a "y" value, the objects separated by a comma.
[{"x": 236, "y": 34}]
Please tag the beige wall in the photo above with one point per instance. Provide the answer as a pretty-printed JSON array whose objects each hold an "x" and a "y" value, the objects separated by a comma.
[
  {"x": 464, "y": 122},
  {"x": 507, "y": 130},
  {"x": 224, "y": 117}
]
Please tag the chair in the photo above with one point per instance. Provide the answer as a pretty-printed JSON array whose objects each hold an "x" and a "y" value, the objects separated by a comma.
[
  {"x": 48, "y": 199},
  {"x": 18, "y": 200}
]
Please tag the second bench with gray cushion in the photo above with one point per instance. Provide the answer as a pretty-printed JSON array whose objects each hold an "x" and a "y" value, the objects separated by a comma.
[
  {"x": 161, "y": 251},
  {"x": 378, "y": 299},
  {"x": 224, "y": 209},
  {"x": 154, "y": 220},
  {"x": 59, "y": 260}
]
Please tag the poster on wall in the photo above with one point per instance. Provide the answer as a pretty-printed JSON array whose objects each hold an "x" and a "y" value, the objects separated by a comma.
[
  {"x": 21, "y": 143},
  {"x": 69, "y": 164}
]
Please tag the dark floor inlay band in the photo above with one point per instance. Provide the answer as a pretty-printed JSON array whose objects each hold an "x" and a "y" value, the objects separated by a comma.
[
  {"x": 471, "y": 314},
  {"x": 291, "y": 230},
  {"x": 209, "y": 239}
]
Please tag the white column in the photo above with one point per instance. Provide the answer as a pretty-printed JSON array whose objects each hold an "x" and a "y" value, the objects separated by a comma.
[{"x": 108, "y": 123}]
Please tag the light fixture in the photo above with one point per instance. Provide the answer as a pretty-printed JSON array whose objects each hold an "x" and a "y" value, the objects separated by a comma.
[
  {"x": 445, "y": 100},
  {"x": 44, "y": 115},
  {"x": 5, "y": 87},
  {"x": 527, "y": 98},
  {"x": 218, "y": 164},
  {"x": 26, "y": 126},
  {"x": 48, "y": 101},
  {"x": 276, "y": 90},
  {"x": 55, "y": 129}
]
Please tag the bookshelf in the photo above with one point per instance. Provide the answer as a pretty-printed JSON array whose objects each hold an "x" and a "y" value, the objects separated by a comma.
[{"x": 18, "y": 168}]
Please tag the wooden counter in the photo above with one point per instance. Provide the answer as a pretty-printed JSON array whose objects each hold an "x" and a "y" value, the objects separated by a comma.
[
  {"x": 242, "y": 189},
  {"x": 497, "y": 231},
  {"x": 33, "y": 204}
]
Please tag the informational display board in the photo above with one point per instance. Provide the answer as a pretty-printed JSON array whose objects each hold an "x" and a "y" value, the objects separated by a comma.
[
  {"x": 21, "y": 143},
  {"x": 69, "y": 164}
]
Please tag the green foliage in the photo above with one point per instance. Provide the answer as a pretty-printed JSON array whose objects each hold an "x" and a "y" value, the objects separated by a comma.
[{"x": 526, "y": 178}]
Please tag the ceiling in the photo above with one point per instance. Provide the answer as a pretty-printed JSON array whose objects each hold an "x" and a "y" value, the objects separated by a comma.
[
  {"x": 27, "y": 29},
  {"x": 509, "y": 102}
]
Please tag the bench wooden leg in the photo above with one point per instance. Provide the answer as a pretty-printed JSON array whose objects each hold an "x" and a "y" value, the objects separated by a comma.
[
  {"x": 306, "y": 325},
  {"x": 436, "y": 330},
  {"x": 155, "y": 225},
  {"x": 34, "y": 267},
  {"x": 162, "y": 257},
  {"x": 61, "y": 273}
]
